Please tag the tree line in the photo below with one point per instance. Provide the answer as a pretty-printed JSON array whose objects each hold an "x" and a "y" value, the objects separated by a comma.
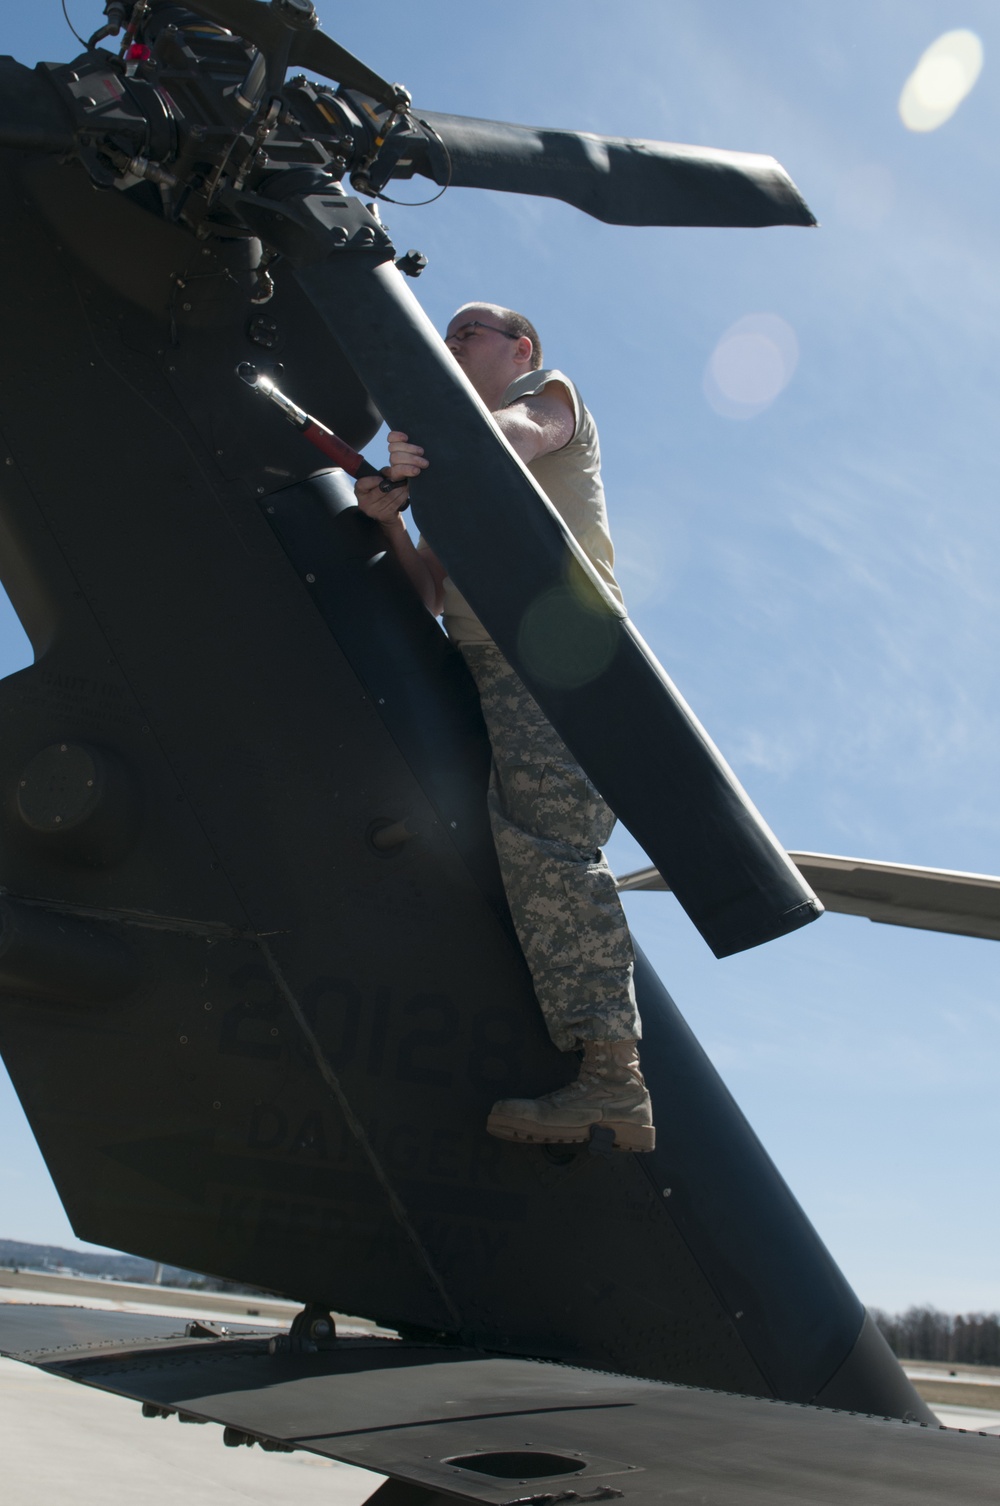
[{"x": 923, "y": 1333}]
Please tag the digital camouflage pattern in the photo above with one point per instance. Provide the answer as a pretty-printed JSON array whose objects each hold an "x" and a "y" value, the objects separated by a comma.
[{"x": 549, "y": 824}]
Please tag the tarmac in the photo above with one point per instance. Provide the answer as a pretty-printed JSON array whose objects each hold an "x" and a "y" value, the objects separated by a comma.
[
  {"x": 61, "y": 1442},
  {"x": 69, "y": 1443},
  {"x": 74, "y": 1444}
]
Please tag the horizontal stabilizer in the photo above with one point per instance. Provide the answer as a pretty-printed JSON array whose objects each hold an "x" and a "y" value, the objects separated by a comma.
[
  {"x": 896, "y": 894},
  {"x": 499, "y": 1431}
]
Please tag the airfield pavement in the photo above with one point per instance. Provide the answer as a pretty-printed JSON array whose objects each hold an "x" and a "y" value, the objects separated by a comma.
[
  {"x": 69, "y": 1443},
  {"x": 63, "y": 1442}
]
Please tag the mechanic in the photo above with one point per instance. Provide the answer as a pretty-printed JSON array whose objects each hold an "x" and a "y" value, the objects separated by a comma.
[{"x": 549, "y": 822}]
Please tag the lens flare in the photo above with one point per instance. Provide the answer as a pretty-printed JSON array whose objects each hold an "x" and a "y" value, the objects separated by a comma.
[
  {"x": 754, "y": 361},
  {"x": 945, "y": 74},
  {"x": 565, "y": 639}
]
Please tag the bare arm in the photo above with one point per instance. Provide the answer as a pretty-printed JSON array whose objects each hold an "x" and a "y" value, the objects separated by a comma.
[
  {"x": 424, "y": 569},
  {"x": 533, "y": 426},
  {"x": 539, "y": 424},
  {"x": 422, "y": 566}
]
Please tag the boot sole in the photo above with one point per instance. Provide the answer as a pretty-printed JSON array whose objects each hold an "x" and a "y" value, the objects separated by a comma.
[{"x": 640, "y": 1137}]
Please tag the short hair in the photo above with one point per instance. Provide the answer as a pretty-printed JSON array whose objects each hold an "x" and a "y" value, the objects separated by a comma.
[{"x": 514, "y": 324}]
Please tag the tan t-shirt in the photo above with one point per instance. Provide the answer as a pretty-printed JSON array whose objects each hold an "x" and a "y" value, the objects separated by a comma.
[{"x": 571, "y": 479}]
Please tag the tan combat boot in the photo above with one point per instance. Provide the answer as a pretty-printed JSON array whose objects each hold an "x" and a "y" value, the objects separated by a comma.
[{"x": 609, "y": 1092}]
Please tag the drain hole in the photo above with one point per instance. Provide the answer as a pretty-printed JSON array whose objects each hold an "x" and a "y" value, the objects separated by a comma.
[{"x": 519, "y": 1466}]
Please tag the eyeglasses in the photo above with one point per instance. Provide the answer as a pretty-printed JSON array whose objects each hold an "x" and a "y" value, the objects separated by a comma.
[{"x": 464, "y": 331}]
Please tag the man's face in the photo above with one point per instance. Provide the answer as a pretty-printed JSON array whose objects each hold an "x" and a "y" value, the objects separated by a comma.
[{"x": 483, "y": 349}]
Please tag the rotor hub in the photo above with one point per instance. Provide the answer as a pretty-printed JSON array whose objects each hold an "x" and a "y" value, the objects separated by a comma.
[{"x": 300, "y": 13}]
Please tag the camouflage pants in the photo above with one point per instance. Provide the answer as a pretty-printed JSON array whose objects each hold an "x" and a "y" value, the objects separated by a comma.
[{"x": 548, "y": 826}]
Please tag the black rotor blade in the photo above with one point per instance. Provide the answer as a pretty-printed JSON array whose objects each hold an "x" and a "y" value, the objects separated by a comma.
[
  {"x": 311, "y": 49},
  {"x": 31, "y": 116},
  {"x": 625, "y": 722},
  {"x": 617, "y": 180}
]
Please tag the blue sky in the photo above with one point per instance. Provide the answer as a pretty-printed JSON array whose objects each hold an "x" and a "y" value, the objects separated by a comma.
[{"x": 819, "y": 574}]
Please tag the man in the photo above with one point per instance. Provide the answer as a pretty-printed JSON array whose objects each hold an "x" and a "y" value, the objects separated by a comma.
[{"x": 548, "y": 820}]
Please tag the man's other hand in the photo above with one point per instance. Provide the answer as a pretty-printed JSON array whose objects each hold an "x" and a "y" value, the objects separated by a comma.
[
  {"x": 384, "y": 507},
  {"x": 406, "y": 461}
]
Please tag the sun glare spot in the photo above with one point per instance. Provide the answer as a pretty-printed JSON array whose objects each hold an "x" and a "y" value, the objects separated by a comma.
[
  {"x": 943, "y": 77},
  {"x": 754, "y": 361}
]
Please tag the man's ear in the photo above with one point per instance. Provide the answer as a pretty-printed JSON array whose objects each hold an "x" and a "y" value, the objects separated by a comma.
[{"x": 523, "y": 351}]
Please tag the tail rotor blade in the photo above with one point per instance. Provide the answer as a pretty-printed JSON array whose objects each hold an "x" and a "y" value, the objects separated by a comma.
[{"x": 619, "y": 181}]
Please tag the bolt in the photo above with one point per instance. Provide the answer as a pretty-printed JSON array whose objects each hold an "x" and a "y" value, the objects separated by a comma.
[
  {"x": 90, "y": 784},
  {"x": 260, "y": 493},
  {"x": 62, "y": 747},
  {"x": 23, "y": 783},
  {"x": 454, "y": 826},
  {"x": 274, "y": 1030},
  {"x": 217, "y": 1104},
  {"x": 310, "y": 579},
  {"x": 184, "y": 1040},
  {"x": 10, "y": 460},
  {"x": 58, "y": 820},
  {"x": 270, "y": 509},
  {"x": 218, "y": 452},
  {"x": 207, "y": 1004},
  {"x": 187, "y": 308},
  {"x": 667, "y": 1191}
]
